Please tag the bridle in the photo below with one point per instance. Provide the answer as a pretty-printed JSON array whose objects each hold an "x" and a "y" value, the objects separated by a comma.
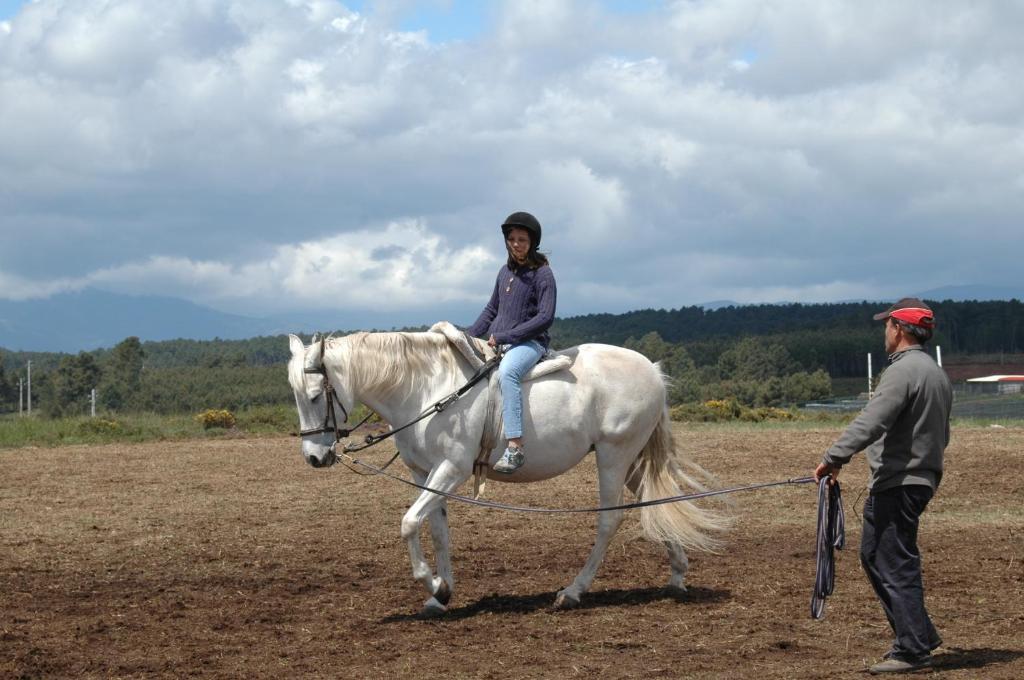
[{"x": 330, "y": 416}]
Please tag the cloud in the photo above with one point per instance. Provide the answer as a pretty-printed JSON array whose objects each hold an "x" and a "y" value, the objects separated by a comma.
[
  {"x": 237, "y": 152},
  {"x": 397, "y": 266},
  {"x": 19, "y": 288}
]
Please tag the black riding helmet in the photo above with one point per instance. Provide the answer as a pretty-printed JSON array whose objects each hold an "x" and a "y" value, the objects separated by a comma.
[{"x": 523, "y": 220}]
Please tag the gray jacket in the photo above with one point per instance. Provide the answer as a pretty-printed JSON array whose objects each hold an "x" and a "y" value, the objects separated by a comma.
[{"x": 904, "y": 429}]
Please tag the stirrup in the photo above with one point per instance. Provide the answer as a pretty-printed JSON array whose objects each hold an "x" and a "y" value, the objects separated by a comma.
[{"x": 511, "y": 460}]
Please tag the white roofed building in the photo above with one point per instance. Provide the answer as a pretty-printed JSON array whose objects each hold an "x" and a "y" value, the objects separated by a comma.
[{"x": 997, "y": 384}]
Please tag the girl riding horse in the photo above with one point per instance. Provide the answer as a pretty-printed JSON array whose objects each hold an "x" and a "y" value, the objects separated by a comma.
[{"x": 516, "y": 320}]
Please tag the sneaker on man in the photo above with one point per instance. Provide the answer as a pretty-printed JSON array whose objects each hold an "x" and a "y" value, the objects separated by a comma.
[
  {"x": 899, "y": 664},
  {"x": 895, "y": 651},
  {"x": 511, "y": 460}
]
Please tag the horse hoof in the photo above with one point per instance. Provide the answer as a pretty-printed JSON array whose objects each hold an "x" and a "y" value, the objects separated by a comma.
[
  {"x": 443, "y": 594},
  {"x": 432, "y": 609},
  {"x": 676, "y": 592},
  {"x": 566, "y": 601}
]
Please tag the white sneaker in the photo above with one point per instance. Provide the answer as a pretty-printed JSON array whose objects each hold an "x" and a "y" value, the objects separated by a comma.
[{"x": 511, "y": 460}]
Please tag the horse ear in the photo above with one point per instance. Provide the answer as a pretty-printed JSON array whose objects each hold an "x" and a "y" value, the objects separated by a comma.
[{"x": 295, "y": 342}]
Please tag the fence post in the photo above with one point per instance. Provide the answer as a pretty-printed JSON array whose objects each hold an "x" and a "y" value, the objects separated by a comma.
[{"x": 869, "y": 375}]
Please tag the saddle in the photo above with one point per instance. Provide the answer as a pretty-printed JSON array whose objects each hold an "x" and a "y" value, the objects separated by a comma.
[{"x": 477, "y": 353}]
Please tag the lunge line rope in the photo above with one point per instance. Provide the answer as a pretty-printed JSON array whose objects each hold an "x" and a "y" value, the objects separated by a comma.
[
  {"x": 563, "y": 511},
  {"x": 831, "y": 536},
  {"x": 831, "y": 530}
]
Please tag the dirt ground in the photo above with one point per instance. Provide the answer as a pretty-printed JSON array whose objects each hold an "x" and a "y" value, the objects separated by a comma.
[{"x": 233, "y": 558}]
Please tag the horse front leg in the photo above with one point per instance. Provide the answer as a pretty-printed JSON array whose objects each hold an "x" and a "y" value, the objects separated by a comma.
[
  {"x": 445, "y": 477},
  {"x": 438, "y": 521}
]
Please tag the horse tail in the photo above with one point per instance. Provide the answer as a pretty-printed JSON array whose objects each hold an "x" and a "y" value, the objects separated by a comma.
[{"x": 663, "y": 472}]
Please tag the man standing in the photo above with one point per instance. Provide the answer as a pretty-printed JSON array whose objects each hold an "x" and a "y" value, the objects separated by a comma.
[{"x": 903, "y": 430}]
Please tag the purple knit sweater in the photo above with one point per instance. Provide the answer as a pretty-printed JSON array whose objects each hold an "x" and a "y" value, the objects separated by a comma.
[{"x": 521, "y": 308}]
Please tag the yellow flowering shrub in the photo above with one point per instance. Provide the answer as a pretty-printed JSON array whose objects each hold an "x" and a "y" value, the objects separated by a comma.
[{"x": 211, "y": 418}]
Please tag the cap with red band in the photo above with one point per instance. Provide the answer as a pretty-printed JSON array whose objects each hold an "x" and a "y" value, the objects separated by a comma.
[
  {"x": 915, "y": 316},
  {"x": 910, "y": 310}
]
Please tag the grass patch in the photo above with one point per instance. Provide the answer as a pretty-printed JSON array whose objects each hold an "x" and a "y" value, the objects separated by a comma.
[
  {"x": 767, "y": 425},
  {"x": 142, "y": 427},
  {"x": 280, "y": 420},
  {"x": 1008, "y": 423},
  {"x": 849, "y": 387},
  {"x": 731, "y": 411}
]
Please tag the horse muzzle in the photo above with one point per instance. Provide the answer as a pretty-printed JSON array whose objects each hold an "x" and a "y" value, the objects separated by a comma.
[{"x": 327, "y": 460}]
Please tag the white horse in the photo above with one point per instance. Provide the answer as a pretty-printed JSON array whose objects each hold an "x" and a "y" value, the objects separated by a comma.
[{"x": 610, "y": 400}]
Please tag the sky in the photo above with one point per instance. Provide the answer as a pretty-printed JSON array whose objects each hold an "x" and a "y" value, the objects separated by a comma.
[{"x": 269, "y": 156}]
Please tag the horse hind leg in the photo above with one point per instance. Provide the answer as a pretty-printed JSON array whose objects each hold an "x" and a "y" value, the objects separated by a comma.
[
  {"x": 677, "y": 559},
  {"x": 679, "y": 563},
  {"x": 611, "y": 475}
]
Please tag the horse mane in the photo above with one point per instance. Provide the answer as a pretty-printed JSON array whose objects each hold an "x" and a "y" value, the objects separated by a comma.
[
  {"x": 381, "y": 363},
  {"x": 295, "y": 373}
]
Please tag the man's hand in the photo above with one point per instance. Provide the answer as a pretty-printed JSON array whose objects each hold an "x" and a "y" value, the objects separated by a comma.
[
  {"x": 492, "y": 342},
  {"x": 825, "y": 469}
]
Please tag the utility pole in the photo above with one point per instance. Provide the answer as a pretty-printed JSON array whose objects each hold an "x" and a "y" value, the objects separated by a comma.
[
  {"x": 30, "y": 388},
  {"x": 92, "y": 398},
  {"x": 869, "y": 375},
  {"x": 21, "y": 396}
]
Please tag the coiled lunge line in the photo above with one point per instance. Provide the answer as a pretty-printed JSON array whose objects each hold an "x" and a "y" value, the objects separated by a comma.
[{"x": 831, "y": 536}]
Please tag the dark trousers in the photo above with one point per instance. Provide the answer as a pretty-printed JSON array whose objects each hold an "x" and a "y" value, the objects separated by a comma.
[{"x": 889, "y": 554}]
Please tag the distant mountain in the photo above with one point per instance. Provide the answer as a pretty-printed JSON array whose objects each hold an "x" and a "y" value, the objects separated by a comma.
[
  {"x": 91, "y": 319},
  {"x": 973, "y": 292},
  {"x": 962, "y": 293}
]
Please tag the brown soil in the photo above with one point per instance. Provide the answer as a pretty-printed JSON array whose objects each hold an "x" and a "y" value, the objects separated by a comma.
[{"x": 234, "y": 558}]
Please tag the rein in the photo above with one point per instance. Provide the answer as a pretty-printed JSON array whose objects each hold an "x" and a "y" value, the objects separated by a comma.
[{"x": 436, "y": 407}]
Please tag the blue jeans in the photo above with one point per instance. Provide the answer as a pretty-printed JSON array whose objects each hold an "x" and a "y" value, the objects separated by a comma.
[{"x": 516, "y": 363}]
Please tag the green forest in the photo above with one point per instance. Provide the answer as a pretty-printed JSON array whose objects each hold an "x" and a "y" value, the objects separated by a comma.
[{"x": 758, "y": 355}]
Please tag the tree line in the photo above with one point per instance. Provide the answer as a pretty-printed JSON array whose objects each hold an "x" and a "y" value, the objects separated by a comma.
[
  {"x": 753, "y": 371},
  {"x": 832, "y": 337},
  {"x": 125, "y": 381},
  {"x": 761, "y": 355}
]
